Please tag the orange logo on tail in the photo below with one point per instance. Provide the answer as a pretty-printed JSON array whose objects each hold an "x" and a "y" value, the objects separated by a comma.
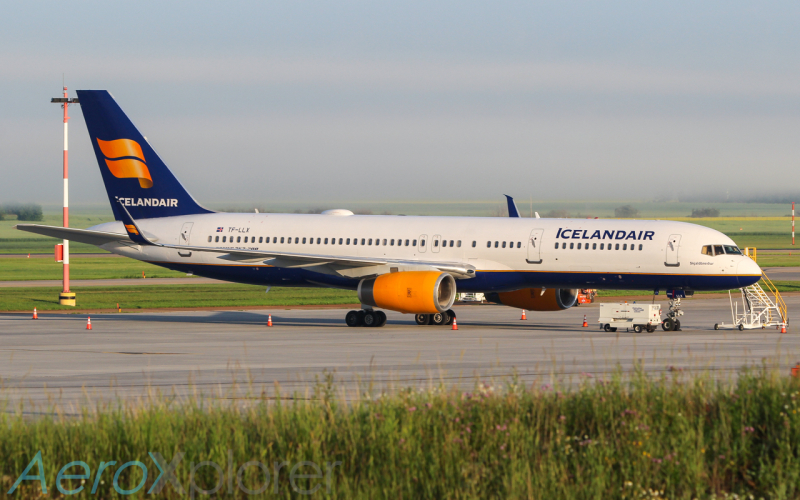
[
  {"x": 132, "y": 229},
  {"x": 131, "y": 167}
]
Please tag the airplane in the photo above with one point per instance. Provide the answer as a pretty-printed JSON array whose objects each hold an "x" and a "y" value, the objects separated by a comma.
[{"x": 413, "y": 265}]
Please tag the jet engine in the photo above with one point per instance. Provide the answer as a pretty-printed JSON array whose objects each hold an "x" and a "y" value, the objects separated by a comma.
[
  {"x": 416, "y": 292},
  {"x": 532, "y": 299}
]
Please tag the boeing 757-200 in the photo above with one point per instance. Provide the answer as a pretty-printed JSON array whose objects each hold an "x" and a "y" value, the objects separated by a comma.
[{"x": 413, "y": 265}]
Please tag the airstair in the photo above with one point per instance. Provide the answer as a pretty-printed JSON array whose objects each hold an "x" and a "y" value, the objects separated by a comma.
[{"x": 758, "y": 309}]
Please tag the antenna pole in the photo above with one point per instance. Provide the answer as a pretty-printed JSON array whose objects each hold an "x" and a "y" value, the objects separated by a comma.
[{"x": 793, "y": 223}]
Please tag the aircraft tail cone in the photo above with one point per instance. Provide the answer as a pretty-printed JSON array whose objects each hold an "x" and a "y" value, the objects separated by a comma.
[
  {"x": 455, "y": 325},
  {"x": 269, "y": 320},
  {"x": 88, "y": 322},
  {"x": 585, "y": 324},
  {"x": 523, "y": 315},
  {"x": 35, "y": 314}
]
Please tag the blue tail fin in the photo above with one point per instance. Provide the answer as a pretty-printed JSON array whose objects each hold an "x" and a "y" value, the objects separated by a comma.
[{"x": 132, "y": 171}]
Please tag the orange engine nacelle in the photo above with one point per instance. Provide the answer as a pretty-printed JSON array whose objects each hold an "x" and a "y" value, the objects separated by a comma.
[
  {"x": 532, "y": 299},
  {"x": 416, "y": 292}
]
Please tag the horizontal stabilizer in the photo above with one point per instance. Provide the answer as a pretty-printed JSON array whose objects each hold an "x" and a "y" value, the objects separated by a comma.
[{"x": 81, "y": 235}]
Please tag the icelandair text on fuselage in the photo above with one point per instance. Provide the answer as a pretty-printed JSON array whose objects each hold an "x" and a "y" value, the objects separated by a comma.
[
  {"x": 576, "y": 234},
  {"x": 148, "y": 202}
]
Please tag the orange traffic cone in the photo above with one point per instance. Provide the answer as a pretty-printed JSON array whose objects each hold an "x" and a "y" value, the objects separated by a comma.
[
  {"x": 35, "y": 314},
  {"x": 783, "y": 328},
  {"x": 455, "y": 325},
  {"x": 88, "y": 323},
  {"x": 585, "y": 324},
  {"x": 269, "y": 320},
  {"x": 523, "y": 315}
]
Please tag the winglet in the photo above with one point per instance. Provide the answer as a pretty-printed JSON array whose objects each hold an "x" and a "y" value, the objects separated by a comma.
[
  {"x": 512, "y": 207},
  {"x": 134, "y": 233}
]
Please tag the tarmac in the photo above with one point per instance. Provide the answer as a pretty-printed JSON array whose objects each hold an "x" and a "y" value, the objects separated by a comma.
[{"x": 232, "y": 355}]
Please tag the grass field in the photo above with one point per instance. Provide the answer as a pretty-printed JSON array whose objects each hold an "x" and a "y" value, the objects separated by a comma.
[
  {"x": 132, "y": 298},
  {"x": 80, "y": 268},
  {"x": 168, "y": 296},
  {"x": 624, "y": 437}
]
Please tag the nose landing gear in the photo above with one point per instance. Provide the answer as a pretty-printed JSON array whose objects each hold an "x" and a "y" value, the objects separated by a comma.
[{"x": 672, "y": 323}]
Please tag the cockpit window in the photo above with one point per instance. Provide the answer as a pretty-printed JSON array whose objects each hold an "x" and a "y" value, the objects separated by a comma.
[
  {"x": 729, "y": 249},
  {"x": 718, "y": 250},
  {"x": 707, "y": 250}
]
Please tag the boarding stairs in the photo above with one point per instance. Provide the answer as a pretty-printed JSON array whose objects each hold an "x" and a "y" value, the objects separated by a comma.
[{"x": 759, "y": 310}]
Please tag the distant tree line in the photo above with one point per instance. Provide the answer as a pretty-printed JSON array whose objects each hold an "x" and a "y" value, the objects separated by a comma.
[
  {"x": 626, "y": 212},
  {"x": 25, "y": 212},
  {"x": 705, "y": 212}
]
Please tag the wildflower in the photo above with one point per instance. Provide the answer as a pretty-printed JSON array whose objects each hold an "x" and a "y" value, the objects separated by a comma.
[
  {"x": 458, "y": 419},
  {"x": 402, "y": 440},
  {"x": 503, "y": 447},
  {"x": 562, "y": 418},
  {"x": 722, "y": 457},
  {"x": 502, "y": 427},
  {"x": 412, "y": 408},
  {"x": 428, "y": 405},
  {"x": 469, "y": 430}
]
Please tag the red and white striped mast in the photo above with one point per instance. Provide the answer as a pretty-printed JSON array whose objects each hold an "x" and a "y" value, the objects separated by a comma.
[
  {"x": 66, "y": 297},
  {"x": 792, "y": 223}
]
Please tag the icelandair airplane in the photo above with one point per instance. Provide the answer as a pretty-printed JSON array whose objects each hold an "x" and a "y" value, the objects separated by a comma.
[{"x": 413, "y": 265}]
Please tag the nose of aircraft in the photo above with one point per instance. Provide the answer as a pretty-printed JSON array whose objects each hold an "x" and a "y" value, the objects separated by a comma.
[{"x": 748, "y": 272}]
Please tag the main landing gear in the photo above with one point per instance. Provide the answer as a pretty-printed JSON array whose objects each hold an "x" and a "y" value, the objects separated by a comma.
[
  {"x": 365, "y": 318},
  {"x": 445, "y": 318}
]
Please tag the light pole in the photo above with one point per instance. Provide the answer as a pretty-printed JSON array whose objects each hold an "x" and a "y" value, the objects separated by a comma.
[{"x": 66, "y": 298}]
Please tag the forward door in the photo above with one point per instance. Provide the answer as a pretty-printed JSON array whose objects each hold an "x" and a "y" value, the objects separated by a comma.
[
  {"x": 535, "y": 247},
  {"x": 673, "y": 245}
]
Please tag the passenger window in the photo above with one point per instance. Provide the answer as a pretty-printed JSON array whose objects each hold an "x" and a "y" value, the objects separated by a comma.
[
  {"x": 571, "y": 246},
  {"x": 718, "y": 250},
  {"x": 625, "y": 246},
  {"x": 384, "y": 242},
  {"x": 281, "y": 239},
  {"x": 415, "y": 243},
  {"x": 245, "y": 239},
  {"x": 363, "y": 241},
  {"x": 458, "y": 244},
  {"x": 267, "y": 239},
  {"x": 496, "y": 244},
  {"x": 355, "y": 241},
  {"x": 504, "y": 244},
  {"x": 640, "y": 246},
  {"x": 391, "y": 243},
  {"x": 223, "y": 239},
  {"x": 216, "y": 239},
  {"x": 556, "y": 245},
  {"x": 304, "y": 241},
  {"x": 370, "y": 241},
  {"x": 488, "y": 244},
  {"x": 451, "y": 243},
  {"x": 616, "y": 246},
  {"x": 579, "y": 246},
  {"x": 238, "y": 239},
  {"x": 326, "y": 241},
  {"x": 297, "y": 240},
  {"x": 601, "y": 245},
  {"x": 435, "y": 243},
  {"x": 260, "y": 239},
  {"x": 632, "y": 246},
  {"x": 519, "y": 244},
  {"x": 594, "y": 246},
  {"x": 209, "y": 239},
  {"x": 474, "y": 243},
  {"x": 347, "y": 241},
  {"x": 586, "y": 246},
  {"x": 340, "y": 240}
]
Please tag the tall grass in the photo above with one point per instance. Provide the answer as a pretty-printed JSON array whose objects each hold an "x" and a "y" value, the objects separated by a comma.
[{"x": 629, "y": 436}]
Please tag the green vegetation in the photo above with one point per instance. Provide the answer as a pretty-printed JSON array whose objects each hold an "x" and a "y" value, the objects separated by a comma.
[
  {"x": 705, "y": 212},
  {"x": 629, "y": 436},
  {"x": 170, "y": 296},
  {"x": 80, "y": 268},
  {"x": 22, "y": 212},
  {"x": 15, "y": 241},
  {"x": 626, "y": 212}
]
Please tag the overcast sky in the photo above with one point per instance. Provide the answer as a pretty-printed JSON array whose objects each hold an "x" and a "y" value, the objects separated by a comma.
[{"x": 299, "y": 100}]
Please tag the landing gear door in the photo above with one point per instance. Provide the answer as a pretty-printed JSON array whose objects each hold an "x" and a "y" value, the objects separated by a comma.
[
  {"x": 535, "y": 247},
  {"x": 186, "y": 231},
  {"x": 673, "y": 245}
]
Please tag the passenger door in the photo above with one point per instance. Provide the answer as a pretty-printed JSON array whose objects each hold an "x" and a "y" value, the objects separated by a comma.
[
  {"x": 423, "y": 240},
  {"x": 436, "y": 241},
  {"x": 673, "y": 245},
  {"x": 186, "y": 231},
  {"x": 535, "y": 247}
]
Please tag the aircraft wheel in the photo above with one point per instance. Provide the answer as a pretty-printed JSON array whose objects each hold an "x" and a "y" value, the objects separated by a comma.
[
  {"x": 450, "y": 317},
  {"x": 668, "y": 325},
  {"x": 352, "y": 319},
  {"x": 371, "y": 319},
  {"x": 381, "y": 318},
  {"x": 741, "y": 328},
  {"x": 607, "y": 327},
  {"x": 437, "y": 319},
  {"x": 716, "y": 326},
  {"x": 422, "y": 319},
  {"x": 637, "y": 328},
  {"x": 677, "y": 325}
]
